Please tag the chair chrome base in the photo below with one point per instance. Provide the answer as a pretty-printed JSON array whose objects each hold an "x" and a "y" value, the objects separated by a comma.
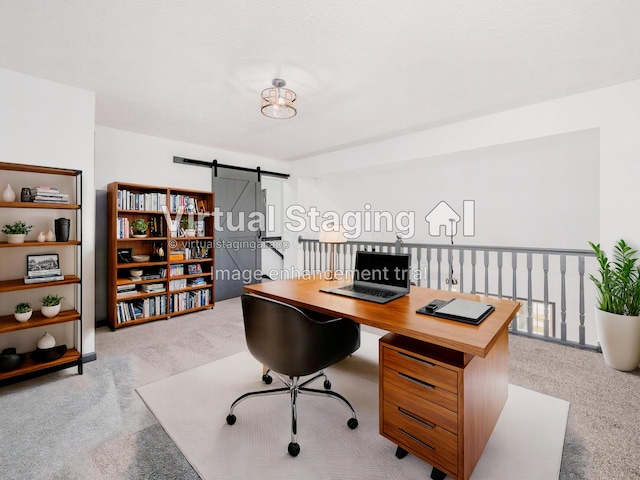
[{"x": 294, "y": 387}]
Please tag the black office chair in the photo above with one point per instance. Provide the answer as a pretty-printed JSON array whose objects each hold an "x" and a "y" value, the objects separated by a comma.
[{"x": 294, "y": 343}]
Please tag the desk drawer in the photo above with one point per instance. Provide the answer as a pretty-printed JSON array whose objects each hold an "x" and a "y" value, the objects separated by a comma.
[
  {"x": 421, "y": 388},
  {"x": 427, "y": 440},
  {"x": 423, "y": 370},
  {"x": 428, "y": 411}
]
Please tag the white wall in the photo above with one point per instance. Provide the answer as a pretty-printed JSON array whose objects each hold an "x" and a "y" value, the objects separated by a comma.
[
  {"x": 542, "y": 192},
  {"x": 614, "y": 112},
  {"x": 49, "y": 124},
  {"x": 130, "y": 157}
]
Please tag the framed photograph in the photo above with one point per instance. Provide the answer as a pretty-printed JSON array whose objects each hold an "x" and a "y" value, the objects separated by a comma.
[{"x": 46, "y": 265}]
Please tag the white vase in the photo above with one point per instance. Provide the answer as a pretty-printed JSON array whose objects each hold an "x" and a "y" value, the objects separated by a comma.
[
  {"x": 8, "y": 195},
  {"x": 51, "y": 237},
  {"x": 619, "y": 337},
  {"x": 50, "y": 311},
  {"x": 23, "y": 317},
  {"x": 46, "y": 341},
  {"x": 42, "y": 237},
  {"x": 15, "y": 238}
]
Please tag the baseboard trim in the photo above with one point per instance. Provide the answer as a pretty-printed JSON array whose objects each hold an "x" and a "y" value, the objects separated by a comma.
[{"x": 89, "y": 357}]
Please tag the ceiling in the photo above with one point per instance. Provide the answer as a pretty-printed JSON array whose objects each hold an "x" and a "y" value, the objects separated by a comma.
[{"x": 363, "y": 70}]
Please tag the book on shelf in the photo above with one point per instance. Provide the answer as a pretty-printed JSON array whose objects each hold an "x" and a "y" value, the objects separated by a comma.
[
  {"x": 126, "y": 293},
  {"x": 153, "y": 276},
  {"x": 153, "y": 287},
  {"x": 194, "y": 282},
  {"x": 124, "y": 288},
  {"x": 52, "y": 272},
  {"x": 51, "y": 278}
]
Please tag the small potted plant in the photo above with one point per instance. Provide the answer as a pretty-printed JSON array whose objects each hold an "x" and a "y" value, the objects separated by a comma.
[
  {"x": 51, "y": 305},
  {"x": 16, "y": 231},
  {"x": 188, "y": 225},
  {"x": 23, "y": 312},
  {"x": 618, "y": 306},
  {"x": 139, "y": 227}
]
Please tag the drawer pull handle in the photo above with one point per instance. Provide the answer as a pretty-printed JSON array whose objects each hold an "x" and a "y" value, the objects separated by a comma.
[
  {"x": 413, "y": 417},
  {"x": 415, "y": 380},
  {"x": 428, "y": 364},
  {"x": 416, "y": 439}
]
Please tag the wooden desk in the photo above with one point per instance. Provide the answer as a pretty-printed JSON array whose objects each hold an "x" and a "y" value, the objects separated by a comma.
[{"x": 473, "y": 361}]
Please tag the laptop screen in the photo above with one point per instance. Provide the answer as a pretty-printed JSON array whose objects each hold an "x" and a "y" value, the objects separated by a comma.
[{"x": 383, "y": 269}]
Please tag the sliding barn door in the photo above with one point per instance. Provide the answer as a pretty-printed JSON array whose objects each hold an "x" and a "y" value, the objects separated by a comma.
[{"x": 237, "y": 254}]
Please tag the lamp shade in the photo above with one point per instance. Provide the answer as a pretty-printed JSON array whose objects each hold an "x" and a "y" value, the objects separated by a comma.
[{"x": 335, "y": 235}]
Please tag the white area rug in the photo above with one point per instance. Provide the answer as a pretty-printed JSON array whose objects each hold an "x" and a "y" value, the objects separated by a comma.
[{"x": 192, "y": 407}]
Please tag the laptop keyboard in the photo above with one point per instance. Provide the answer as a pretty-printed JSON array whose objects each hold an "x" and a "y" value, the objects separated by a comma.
[{"x": 369, "y": 291}]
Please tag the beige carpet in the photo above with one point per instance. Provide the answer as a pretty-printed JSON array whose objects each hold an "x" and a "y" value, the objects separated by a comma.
[{"x": 192, "y": 406}]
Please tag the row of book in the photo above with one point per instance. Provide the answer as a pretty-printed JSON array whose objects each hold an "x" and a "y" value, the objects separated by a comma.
[
  {"x": 153, "y": 288},
  {"x": 185, "y": 203},
  {"x": 177, "y": 284},
  {"x": 127, "y": 290},
  {"x": 187, "y": 300},
  {"x": 141, "y": 308},
  {"x": 148, "y": 202},
  {"x": 48, "y": 195},
  {"x": 130, "y": 290}
]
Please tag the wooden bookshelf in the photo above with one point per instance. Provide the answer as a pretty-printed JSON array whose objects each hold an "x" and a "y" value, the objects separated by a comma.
[
  {"x": 161, "y": 208},
  {"x": 71, "y": 181}
]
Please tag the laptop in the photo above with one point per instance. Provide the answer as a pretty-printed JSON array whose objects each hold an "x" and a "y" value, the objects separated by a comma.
[{"x": 378, "y": 277}]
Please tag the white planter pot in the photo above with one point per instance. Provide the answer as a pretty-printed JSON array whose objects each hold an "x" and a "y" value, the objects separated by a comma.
[
  {"x": 23, "y": 317},
  {"x": 619, "y": 337},
  {"x": 15, "y": 238},
  {"x": 50, "y": 311}
]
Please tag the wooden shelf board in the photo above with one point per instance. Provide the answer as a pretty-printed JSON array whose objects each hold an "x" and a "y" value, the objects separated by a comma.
[
  {"x": 141, "y": 212},
  {"x": 9, "y": 324},
  {"x": 133, "y": 239},
  {"x": 15, "y": 167},
  {"x": 192, "y": 260},
  {"x": 18, "y": 284},
  {"x": 191, "y": 275},
  {"x": 141, "y": 264},
  {"x": 191, "y": 310},
  {"x": 141, "y": 320},
  {"x": 140, "y": 295},
  {"x": 72, "y": 355},
  {"x": 50, "y": 206},
  {"x": 195, "y": 287},
  {"x": 39, "y": 244},
  {"x": 128, "y": 281}
]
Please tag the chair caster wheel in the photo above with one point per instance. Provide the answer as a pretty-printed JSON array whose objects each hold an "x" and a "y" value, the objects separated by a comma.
[
  {"x": 327, "y": 385},
  {"x": 294, "y": 449},
  {"x": 267, "y": 379},
  {"x": 231, "y": 419},
  {"x": 352, "y": 423}
]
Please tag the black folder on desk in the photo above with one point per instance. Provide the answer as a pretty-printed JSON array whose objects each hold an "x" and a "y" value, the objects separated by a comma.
[{"x": 467, "y": 311}]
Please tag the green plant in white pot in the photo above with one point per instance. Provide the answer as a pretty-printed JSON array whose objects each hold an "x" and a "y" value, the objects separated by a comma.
[
  {"x": 22, "y": 312},
  {"x": 51, "y": 305},
  {"x": 16, "y": 231},
  {"x": 618, "y": 306}
]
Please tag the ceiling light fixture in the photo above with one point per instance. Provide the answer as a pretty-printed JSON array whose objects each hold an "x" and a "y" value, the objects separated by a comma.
[{"x": 277, "y": 101}]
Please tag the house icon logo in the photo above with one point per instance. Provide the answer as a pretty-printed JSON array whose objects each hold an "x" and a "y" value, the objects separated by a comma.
[{"x": 442, "y": 215}]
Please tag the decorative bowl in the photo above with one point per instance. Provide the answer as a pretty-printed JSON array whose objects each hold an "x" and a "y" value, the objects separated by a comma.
[
  {"x": 141, "y": 258},
  {"x": 41, "y": 355},
  {"x": 135, "y": 272},
  {"x": 10, "y": 360}
]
